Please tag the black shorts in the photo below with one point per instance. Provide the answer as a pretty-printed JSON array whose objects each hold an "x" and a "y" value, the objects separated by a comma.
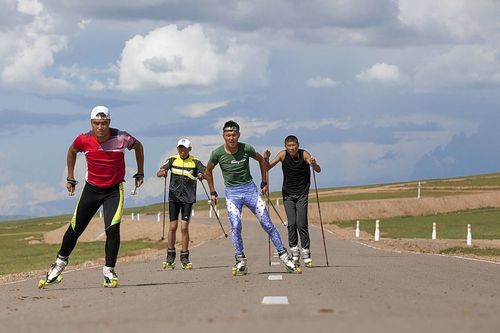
[{"x": 184, "y": 208}]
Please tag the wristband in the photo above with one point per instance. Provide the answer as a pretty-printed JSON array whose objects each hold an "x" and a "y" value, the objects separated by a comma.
[
  {"x": 72, "y": 181},
  {"x": 138, "y": 175},
  {"x": 262, "y": 185},
  {"x": 214, "y": 193}
]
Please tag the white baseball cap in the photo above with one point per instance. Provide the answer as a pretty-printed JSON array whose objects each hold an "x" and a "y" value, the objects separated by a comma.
[
  {"x": 100, "y": 112},
  {"x": 184, "y": 142}
]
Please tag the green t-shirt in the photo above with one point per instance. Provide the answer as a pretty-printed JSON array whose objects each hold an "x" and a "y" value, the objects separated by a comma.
[{"x": 235, "y": 167}]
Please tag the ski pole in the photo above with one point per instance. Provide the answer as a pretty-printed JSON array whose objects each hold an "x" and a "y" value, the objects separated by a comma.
[
  {"x": 277, "y": 213},
  {"x": 164, "y": 207},
  {"x": 214, "y": 209},
  {"x": 268, "y": 201},
  {"x": 319, "y": 211},
  {"x": 134, "y": 191}
]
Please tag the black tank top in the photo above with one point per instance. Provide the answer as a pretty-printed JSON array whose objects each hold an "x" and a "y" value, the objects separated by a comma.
[{"x": 296, "y": 174}]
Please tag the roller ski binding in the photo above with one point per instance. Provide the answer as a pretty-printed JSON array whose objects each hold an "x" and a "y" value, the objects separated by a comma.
[
  {"x": 110, "y": 277},
  {"x": 240, "y": 268},
  {"x": 306, "y": 256},
  {"x": 289, "y": 264},
  {"x": 186, "y": 264},
  {"x": 169, "y": 261},
  {"x": 54, "y": 276},
  {"x": 295, "y": 255}
]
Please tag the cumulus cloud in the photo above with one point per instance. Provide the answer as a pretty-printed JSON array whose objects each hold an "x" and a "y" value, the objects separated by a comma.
[
  {"x": 198, "y": 110},
  {"x": 170, "y": 57},
  {"x": 321, "y": 82},
  {"x": 382, "y": 73},
  {"x": 27, "y": 53}
]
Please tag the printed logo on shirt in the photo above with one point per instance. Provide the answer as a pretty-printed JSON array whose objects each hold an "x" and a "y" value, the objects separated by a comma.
[{"x": 243, "y": 160}]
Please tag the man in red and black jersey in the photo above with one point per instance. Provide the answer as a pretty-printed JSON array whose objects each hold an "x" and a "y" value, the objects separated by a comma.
[{"x": 104, "y": 151}]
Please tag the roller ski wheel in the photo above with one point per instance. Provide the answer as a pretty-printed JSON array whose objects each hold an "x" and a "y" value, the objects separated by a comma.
[
  {"x": 44, "y": 282},
  {"x": 169, "y": 260},
  {"x": 308, "y": 263},
  {"x": 188, "y": 265},
  {"x": 289, "y": 263},
  {"x": 167, "y": 265},
  {"x": 240, "y": 268},
  {"x": 110, "y": 277},
  {"x": 306, "y": 255},
  {"x": 107, "y": 283},
  {"x": 239, "y": 271}
]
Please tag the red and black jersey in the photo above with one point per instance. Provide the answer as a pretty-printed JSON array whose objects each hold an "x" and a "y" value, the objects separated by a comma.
[{"x": 105, "y": 161}]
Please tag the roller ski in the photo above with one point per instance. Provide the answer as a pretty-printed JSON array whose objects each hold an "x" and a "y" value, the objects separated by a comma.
[
  {"x": 54, "y": 276},
  {"x": 169, "y": 261},
  {"x": 240, "y": 268},
  {"x": 306, "y": 256},
  {"x": 186, "y": 264},
  {"x": 289, "y": 264},
  {"x": 295, "y": 255},
  {"x": 110, "y": 277}
]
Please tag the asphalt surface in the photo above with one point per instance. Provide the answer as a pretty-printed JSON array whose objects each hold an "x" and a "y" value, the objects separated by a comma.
[{"x": 363, "y": 290}]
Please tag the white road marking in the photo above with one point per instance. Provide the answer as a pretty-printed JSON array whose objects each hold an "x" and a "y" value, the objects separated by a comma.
[
  {"x": 275, "y": 263},
  {"x": 272, "y": 300},
  {"x": 275, "y": 277}
]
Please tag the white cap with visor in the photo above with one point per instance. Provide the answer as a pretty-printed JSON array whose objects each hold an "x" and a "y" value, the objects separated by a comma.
[{"x": 100, "y": 112}]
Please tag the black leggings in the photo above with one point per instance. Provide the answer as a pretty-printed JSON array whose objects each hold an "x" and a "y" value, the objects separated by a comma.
[{"x": 93, "y": 197}]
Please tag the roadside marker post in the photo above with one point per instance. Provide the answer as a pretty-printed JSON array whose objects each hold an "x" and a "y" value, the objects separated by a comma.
[{"x": 377, "y": 230}]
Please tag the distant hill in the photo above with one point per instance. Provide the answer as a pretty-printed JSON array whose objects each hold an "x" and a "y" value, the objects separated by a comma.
[{"x": 4, "y": 218}]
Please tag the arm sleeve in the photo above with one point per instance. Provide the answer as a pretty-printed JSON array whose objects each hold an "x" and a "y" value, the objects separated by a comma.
[
  {"x": 78, "y": 144},
  {"x": 130, "y": 140},
  {"x": 168, "y": 164},
  {"x": 214, "y": 158},
  {"x": 200, "y": 168},
  {"x": 250, "y": 150}
]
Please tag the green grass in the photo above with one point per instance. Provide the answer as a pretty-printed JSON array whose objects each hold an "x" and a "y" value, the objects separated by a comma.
[
  {"x": 485, "y": 225},
  {"x": 20, "y": 256}
]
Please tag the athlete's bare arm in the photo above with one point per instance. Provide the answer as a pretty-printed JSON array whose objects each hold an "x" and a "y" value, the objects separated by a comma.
[{"x": 311, "y": 161}]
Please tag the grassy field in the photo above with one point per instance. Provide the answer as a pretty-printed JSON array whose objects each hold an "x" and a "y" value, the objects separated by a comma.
[
  {"x": 18, "y": 255},
  {"x": 485, "y": 225}
]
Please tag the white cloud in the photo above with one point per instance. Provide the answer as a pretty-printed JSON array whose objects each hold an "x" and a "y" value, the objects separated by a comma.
[
  {"x": 461, "y": 66},
  {"x": 30, "y": 7},
  {"x": 29, "y": 52},
  {"x": 198, "y": 110},
  {"x": 315, "y": 124},
  {"x": 382, "y": 73},
  {"x": 168, "y": 57},
  {"x": 251, "y": 127},
  {"x": 321, "y": 82},
  {"x": 450, "y": 20}
]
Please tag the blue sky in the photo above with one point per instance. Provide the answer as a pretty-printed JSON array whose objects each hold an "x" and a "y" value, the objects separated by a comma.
[{"x": 377, "y": 91}]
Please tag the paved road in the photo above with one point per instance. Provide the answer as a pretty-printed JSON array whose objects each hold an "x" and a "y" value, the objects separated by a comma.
[{"x": 363, "y": 290}]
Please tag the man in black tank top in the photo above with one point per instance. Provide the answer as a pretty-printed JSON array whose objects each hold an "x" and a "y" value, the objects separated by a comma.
[{"x": 296, "y": 164}]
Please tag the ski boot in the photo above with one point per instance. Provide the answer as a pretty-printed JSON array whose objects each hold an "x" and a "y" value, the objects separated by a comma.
[
  {"x": 186, "y": 264},
  {"x": 54, "y": 274},
  {"x": 289, "y": 264},
  {"x": 306, "y": 255},
  {"x": 240, "y": 268},
  {"x": 110, "y": 277},
  {"x": 295, "y": 255},
  {"x": 169, "y": 261}
]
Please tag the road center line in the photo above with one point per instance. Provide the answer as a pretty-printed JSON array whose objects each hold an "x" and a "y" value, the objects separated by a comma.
[
  {"x": 275, "y": 277},
  {"x": 273, "y": 300}
]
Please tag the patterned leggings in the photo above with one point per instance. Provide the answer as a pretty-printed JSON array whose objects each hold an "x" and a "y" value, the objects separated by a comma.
[{"x": 248, "y": 195}]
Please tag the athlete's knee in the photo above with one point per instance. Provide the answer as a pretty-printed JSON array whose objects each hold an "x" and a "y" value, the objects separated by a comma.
[{"x": 113, "y": 231}]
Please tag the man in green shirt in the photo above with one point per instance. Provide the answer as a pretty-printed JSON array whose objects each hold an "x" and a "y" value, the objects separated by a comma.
[{"x": 233, "y": 158}]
